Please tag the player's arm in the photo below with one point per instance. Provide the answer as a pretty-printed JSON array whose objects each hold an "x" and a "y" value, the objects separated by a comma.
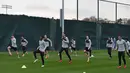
[
  {"x": 117, "y": 46},
  {"x": 66, "y": 40},
  {"x": 37, "y": 47},
  {"x": 90, "y": 44},
  {"x": 125, "y": 44},
  {"x": 26, "y": 41},
  {"x": 50, "y": 41},
  {"x": 45, "y": 46},
  {"x": 74, "y": 42}
]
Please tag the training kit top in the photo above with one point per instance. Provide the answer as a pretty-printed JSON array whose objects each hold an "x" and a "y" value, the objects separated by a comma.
[
  {"x": 109, "y": 43},
  {"x": 42, "y": 46},
  {"x": 47, "y": 42},
  {"x": 121, "y": 45},
  {"x": 73, "y": 43},
  {"x": 88, "y": 43},
  {"x": 24, "y": 42},
  {"x": 13, "y": 42},
  {"x": 65, "y": 42},
  {"x": 128, "y": 45}
]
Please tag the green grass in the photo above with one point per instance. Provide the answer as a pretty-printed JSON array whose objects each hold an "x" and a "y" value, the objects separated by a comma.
[{"x": 99, "y": 64}]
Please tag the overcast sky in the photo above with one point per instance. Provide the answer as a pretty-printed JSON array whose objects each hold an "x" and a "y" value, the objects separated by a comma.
[{"x": 51, "y": 8}]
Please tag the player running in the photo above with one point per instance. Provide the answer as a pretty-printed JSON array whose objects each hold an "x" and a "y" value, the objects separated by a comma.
[
  {"x": 13, "y": 45},
  {"x": 114, "y": 43},
  {"x": 109, "y": 45},
  {"x": 121, "y": 45},
  {"x": 87, "y": 49},
  {"x": 41, "y": 49},
  {"x": 24, "y": 43},
  {"x": 47, "y": 41},
  {"x": 73, "y": 46},
  {"x": 65, "y": 46},
  {"x": 128, "y": 47}
]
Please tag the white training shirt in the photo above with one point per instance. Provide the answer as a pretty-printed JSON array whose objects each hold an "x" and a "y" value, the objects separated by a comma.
[
  {"x": 128, "y": 45},
  {"x": 88, "y": 44},
  {"x": 121, "y": 45},
  {"x": 42, "y": 46},
  {"x": 13, "y": 42},
  {"x": 65, "y": 43},
  {"x": 24, "y": 42},
  {"x": 110, "y": 45},
  {"x": 113, "y": 44},
  {"x": 47, "y": 42},
  {"x": 73, "y": 43}
]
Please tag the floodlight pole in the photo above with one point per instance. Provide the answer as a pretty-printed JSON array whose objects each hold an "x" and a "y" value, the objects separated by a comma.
[
  {"x": 77, "y": 9},
  {"x": 116, "y": 8},
  {"x": 62, "y": 16},
  {"x": 116, "y": 12},
  {"x": 98, "y": 28}
]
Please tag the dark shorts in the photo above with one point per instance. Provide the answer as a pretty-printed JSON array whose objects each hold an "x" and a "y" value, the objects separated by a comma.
[
  {"x": 24, "y": 48},
  {"x": 38, "y": 51},
  {"x": 47, "y": 49},
  {"x": 129, "y": 51},
  {"x": 14, "y": 48},
  {"x": 109, "y": 48},
  {"x": 73, "y": 48},
  {"x": 88, "y": 50}
]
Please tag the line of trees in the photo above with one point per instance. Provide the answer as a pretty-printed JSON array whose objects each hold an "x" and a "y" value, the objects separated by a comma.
[{"x": 123, "y": 21}]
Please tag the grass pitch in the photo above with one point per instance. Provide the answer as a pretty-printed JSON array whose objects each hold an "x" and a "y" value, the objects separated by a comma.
[{"x": 99, "y": 64}]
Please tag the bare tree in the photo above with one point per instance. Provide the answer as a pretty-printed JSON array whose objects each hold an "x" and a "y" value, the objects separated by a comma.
[
  {"x": 86, "y": 19},
  {"x": 128, "y": 21}
]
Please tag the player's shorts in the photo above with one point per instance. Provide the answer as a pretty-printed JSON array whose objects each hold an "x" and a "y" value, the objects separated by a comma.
[
  {"x": 47, "y": 49},
  {"x": 87, "y": 50},
  {"x": 14, "y": 48},
  {"x": 109, "y": 48},
  {"x": 24, "y": 48},
  {"x": 73, "y": 48},
  {"x": 129, "y": 51}
]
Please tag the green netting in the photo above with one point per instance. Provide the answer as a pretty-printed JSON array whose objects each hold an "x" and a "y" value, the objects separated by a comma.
[{"x": 33, "y": 27}]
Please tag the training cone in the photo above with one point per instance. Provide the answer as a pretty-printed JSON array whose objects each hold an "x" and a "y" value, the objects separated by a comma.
[
  {"x": 23, "y": 66},
  {"x": 92, "y": 55}
]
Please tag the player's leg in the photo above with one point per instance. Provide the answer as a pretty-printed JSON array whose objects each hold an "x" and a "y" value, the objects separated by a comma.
[
  {"x": 17, "y": 53},
  {"x": 129, "y": 53},
  {"x": 9, "y": 51},
  {"x": 42, "y": 58},
  {"x": 46, "y": 53},
  {"x": 16, "y": 50},
  {"x": 86, "y": 51},
  {"x": 60, "y": 54},
  {"x": 119, "y": 59},
  {"x": 71, "y": 49},
  {"x": 35, "y": 56},
  {"x": 67, "y": 53},
  {"x": 75, "y": 52},
  {"x": 89, "y": 52},
  {"x": 109, "y": 52},
  {"x": 124, "y": 60},
  {"x": 24, "y": 50}
]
